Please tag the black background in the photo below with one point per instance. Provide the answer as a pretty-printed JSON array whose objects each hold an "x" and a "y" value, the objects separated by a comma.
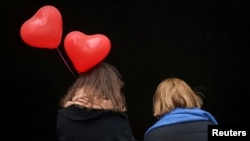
[{"x": 204, "y": 43}]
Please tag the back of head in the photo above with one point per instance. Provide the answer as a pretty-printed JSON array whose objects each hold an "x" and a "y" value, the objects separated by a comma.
[
  {"x": 103, "y": 82},
  {"x": 172, "y": 93}
]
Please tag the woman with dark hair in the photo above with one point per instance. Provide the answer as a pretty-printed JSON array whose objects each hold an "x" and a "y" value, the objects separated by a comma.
[
  {"x": 178, "y": 110},
  {"x": 94, "y": 108}
]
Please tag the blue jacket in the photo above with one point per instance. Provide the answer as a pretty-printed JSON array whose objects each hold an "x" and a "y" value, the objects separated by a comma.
[{"x": 181, "y": 124}]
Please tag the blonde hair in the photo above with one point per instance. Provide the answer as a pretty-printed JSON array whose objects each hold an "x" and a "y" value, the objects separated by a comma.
[{"x": 172, "y": 93}]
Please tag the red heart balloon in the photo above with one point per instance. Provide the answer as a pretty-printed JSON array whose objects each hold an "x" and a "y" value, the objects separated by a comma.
[
  {"x": 85, "y": 51},
  {"x": 44, "y": 29}
]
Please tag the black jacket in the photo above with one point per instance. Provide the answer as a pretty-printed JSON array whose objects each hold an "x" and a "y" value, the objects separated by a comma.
[
  {"x": 80, "y": 124},
  {"x": 187, "y": 131}
]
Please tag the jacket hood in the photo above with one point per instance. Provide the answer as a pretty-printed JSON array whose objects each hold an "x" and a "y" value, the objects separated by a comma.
[{"x": 75, "y": 112}]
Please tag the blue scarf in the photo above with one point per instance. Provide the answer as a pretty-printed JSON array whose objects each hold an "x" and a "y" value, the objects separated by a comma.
[{"x": 183, "y": 115}]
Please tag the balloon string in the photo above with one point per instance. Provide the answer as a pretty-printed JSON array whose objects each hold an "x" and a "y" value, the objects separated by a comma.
[{"x": 65, "y": 62}]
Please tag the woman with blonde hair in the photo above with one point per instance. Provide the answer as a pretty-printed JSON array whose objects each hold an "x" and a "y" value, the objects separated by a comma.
[
  {"x": 94, "y": 108},
  {"x": 178, "y": 110}
]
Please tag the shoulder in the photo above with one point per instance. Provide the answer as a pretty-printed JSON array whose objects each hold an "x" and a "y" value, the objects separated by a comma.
[{"x": 186, "y": 129}]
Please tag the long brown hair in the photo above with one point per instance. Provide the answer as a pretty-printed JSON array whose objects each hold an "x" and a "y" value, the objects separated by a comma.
[{"x": 104, "y": 82}]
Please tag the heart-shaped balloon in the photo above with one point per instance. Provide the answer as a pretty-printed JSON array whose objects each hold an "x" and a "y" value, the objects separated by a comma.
[
  {"x": 85, "y": 51},
  {"x": 43, "y": 29}
]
